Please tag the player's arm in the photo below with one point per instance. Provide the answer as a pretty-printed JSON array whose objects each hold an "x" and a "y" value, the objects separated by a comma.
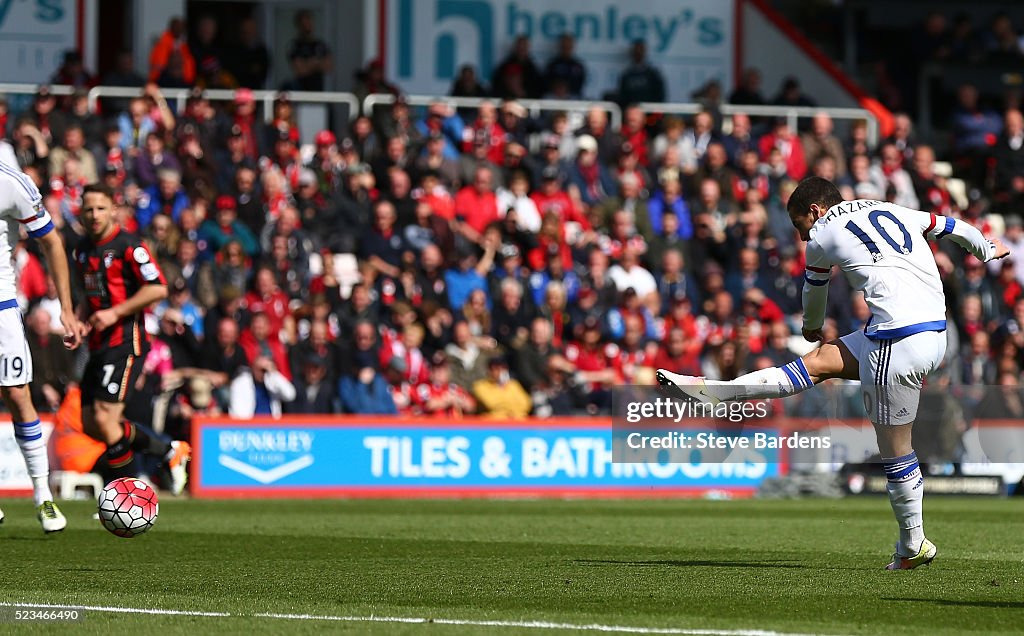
[
  {"x": 56, "y": 257},
  {"x": 965, "y": 235},
  {"x": 28, "y": 205},
  {"x": 152, "y": 288},
  {"x": 815, "y": 295}
]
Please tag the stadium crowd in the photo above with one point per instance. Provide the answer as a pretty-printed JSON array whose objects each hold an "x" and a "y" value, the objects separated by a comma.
[{"x": 445, "y": 262}]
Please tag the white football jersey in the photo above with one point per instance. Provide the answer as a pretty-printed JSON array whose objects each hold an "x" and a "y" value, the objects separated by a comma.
[
  {"x": 20, "y": 204},
  {"x": 883, "y": 250}
]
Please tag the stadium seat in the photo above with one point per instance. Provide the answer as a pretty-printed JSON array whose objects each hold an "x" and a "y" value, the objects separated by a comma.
[{"x": 67, "y": 483}]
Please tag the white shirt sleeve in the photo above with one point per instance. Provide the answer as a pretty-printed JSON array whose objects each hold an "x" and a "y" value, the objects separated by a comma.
[
  {"x": 816, "y": 277},
  {"x": 26, "y": 204},
  {"x": 963, "y": 234}
]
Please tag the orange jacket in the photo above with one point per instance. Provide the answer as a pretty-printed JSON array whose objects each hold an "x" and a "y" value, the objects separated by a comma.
[
  {"x": 161, "y": 55},
  {"x": 73, "y": 449}
]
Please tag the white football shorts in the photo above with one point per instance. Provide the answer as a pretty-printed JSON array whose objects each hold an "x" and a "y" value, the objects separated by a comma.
[
  {"x": 892, "y": 371},
  {"x": 15, "y": 357}
]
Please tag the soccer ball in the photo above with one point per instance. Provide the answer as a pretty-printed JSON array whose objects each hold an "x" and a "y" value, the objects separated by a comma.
[{"x": 128, "y": 507}]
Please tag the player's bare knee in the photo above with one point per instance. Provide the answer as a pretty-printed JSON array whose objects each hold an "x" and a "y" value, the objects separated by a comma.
[{"x": 19, "y": 402}]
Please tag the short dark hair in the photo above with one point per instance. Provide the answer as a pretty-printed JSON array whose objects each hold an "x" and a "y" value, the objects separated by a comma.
[
  {"x": 98, "y": 188},
  {"x": 814, "y": 190}
]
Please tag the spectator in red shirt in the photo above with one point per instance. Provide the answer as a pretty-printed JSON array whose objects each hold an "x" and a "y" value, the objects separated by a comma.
[
  {"x": 261, "y": 341},
  {"x": 476, "y": 205},
  {"x": 486, "y": 128},
  {"x": 550, "y": 197},
  {"x": 634, "y": 133},
  {"x": 266, "y": 297},
  {"x": 788, "y": 143},
  {"x": 440, "y": 396}
]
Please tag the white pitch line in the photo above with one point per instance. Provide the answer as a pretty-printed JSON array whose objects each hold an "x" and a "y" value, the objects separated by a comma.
[{"x": 593, "y": 627}]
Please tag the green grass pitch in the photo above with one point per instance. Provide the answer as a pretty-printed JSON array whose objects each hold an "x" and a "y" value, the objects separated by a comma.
[{"x": 809, "y": 566}]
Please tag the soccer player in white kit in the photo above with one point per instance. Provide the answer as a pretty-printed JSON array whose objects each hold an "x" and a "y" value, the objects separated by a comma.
[
  {"x": 882, "y": 249},
  {"x": 21, "y": 205}
]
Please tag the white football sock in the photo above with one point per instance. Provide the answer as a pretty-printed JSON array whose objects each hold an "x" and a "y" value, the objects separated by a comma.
[
  {"x": 774, "y": 382},
  {"x": 906, "y": 494},
  {"x": 33, "y": 449}
]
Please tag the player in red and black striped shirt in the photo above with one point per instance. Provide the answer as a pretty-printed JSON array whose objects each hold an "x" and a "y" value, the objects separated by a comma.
[{"x": 120, "y": 279}]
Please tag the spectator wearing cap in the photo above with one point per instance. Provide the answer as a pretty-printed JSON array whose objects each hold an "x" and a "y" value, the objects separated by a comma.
[
  {"x": 232, "y": 158},
  {"x": 439, "y": 396},
  {"x": 315, "y": 393},
  {"x": 315, "y": 211},
  {"x": 245, "y": 119},
  {"x": 565, "y": 68},
  {"x": 499, "y": 395},
  {"x": 225, "y": 227},
  {"x": 640, "y": 81},
  {"x": 154, "y": 157},
  {"x": 550, "y": 197},
  {"x": 172, "y": 44},
  {"x": 326, "y": 164},
  {"x": 588, "y": 175},
  {"x": 166, "y": 197},
  {"x": 74, "y": 147},
  {"x": 550, "y": 155},
  {"x": 516, "y": 123},
  {"x": 309, "y": 56}
]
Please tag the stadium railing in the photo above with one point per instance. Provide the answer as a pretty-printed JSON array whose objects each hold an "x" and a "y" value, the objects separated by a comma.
[
  {"x": 793, "y": 114},
  {"x": 575, "y": 108},
  {"x": 535, "y": 106},
  {"x": 178, "y": 96}
]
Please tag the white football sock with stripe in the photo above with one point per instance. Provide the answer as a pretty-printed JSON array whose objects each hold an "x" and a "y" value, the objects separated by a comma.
[
  {"x": 33, "y": 448},
  {"x": 775, "y": 382},
  {"x": 906, "y": 495}
]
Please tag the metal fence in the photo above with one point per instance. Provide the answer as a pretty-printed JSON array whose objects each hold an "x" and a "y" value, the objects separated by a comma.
[{"x": 350, "y": 104}]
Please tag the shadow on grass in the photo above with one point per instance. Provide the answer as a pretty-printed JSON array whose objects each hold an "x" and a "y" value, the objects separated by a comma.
[
  {"x": 951, "y": 603},
  {"x": 697, "y": 563}
]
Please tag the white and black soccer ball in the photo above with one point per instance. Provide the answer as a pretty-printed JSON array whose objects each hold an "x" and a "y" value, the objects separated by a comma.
[{"x": 128, "y": 507}]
